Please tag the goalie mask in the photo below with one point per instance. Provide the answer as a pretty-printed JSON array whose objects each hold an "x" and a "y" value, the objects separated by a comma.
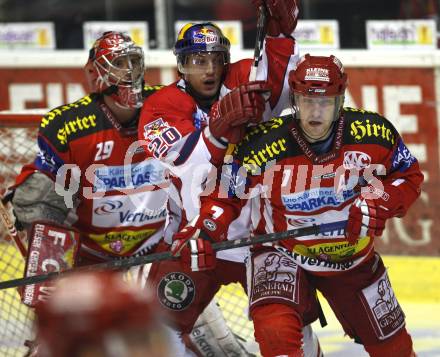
[
  {"x": 116, "y": 68},
  {"x": 202, "y": 44},
  {"x": 99, "y": 312}
]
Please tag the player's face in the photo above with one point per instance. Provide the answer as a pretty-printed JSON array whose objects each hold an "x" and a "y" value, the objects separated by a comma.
[
  {"x": 127, "y": 69},
  {"x": 316, "y": 115},
  {"x": 204, "y": 71}
]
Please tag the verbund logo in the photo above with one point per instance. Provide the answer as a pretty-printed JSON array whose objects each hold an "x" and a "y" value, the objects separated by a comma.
[
  {"x": 142, "y": 217},
  {"x": 108, "y": 207},
  {"x": 129, "y": 215},
  {"x": 356, "y": 160},
  {"x": 124, "y": 211}
]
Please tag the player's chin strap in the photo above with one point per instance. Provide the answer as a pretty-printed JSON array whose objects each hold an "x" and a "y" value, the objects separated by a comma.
[{"x": 229, "y": 244}]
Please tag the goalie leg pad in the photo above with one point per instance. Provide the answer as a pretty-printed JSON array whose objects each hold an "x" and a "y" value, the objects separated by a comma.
[
  {"x": 277, "y": 330},
  {"x": 211, "y": 335}
]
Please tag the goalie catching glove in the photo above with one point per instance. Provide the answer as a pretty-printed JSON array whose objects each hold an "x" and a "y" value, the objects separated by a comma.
[
  {"x": 193, "y": 244},
  {"x": 369, "y": 212},
  {"x": 243, "y": 105},
  {"x": 283, "y": 16}
]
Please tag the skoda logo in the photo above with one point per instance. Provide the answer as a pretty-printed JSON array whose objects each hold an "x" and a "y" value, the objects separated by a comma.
[{"x": 176, "y": 291}]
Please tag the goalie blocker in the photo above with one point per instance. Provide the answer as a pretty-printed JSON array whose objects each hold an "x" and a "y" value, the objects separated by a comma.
[{"x": 52, "y": 248}]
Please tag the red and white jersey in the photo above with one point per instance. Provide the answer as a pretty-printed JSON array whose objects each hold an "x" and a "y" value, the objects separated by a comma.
[
  {"x": 121, "y": 209},
  {"x": 172, "y": 127},
  {"x": 294, "y": 187}
]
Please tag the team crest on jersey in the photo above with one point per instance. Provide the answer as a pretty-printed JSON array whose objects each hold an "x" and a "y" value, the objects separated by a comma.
[
  {"x": 161, "y": 137},
  {"x": 155, "y": 128},
  {"x": 356, "y": 160},
  {"x": 176, "y": 291}
]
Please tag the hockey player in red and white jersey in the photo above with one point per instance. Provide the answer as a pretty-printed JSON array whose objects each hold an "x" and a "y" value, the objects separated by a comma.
[
  {"x": 91, "y": 137},
  {"x": 85, "y": 176},
  {"x": 188, "y": 125},
  {"x": 324, "y": 164}
]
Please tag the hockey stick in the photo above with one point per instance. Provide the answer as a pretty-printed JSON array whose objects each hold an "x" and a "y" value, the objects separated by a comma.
[
  {"x": 7, "y": 222},
  {"x": 261, "y": 32},
  {"x": 139, "y": 260}
]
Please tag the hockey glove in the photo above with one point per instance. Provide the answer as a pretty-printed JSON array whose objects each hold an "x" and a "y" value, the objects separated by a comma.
[
  {"x": 369, "y": 212},
  {"x": 194, "y": 248},
  {"x": 243, "y": 105},
  {"x": 283, "y": 16}
]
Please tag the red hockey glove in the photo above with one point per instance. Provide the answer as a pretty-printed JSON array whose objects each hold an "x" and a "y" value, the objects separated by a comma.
[
  {"x": 367, "y": 216},
  {"x": 230, "y": 115},
  {"x": 283, "y": 16},
  {"x": 194, "y": 249}
]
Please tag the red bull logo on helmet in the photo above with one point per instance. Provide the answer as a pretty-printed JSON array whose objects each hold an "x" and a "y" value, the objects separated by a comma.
[{"x": 205, "y": 36}]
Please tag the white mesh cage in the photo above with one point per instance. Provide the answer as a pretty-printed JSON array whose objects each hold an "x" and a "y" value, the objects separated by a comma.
[{"x": 18, "y": 146}]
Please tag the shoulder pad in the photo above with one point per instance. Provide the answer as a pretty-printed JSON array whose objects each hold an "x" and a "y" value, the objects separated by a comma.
[
  {"x": 59, "y": 111},
  {"x": 264, "y": 129},
  {"x": 71, "y": 120}
]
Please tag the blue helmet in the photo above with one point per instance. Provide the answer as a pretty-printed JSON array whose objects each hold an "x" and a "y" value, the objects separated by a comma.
[{"x": 200, "y": 37}]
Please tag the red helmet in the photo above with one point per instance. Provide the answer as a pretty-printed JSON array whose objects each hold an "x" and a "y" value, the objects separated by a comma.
[
  {"x": 318, "y": 76},
  {"x": 90, "y": 309},
  {"x": 116, "y": 67}
]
